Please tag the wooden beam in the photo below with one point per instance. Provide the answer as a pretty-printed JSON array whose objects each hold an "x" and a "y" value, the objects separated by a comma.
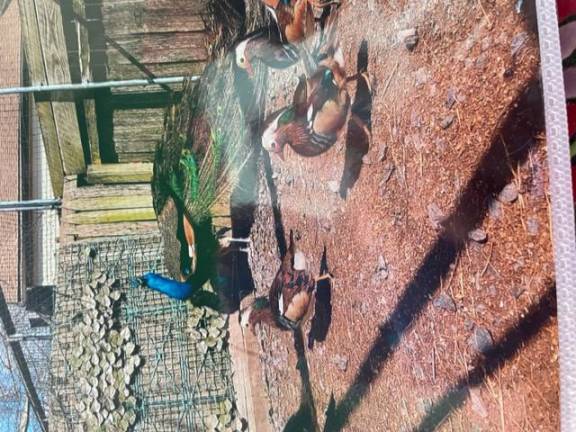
[
  {"x": 109, "y": 203},
  {"x": 33, "y": 52},
  {"x": 58, "y": 72},
  {"x": 21, "y": 363},
  {"x": 120, "y": 173},
  {"x": 131, "y": 135},
  {"x": 45, "y": 49},
  {"x": 86, "y": 75},
  {"x": 92, "y": 126},
  {"x": 111, "y": 216},
  {"x": 145, "y": 16}
]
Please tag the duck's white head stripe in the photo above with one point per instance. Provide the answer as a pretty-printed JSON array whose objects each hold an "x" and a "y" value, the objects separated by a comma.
[
  {"x": 339, "y": 57},
  {"x": 310, "y": 113},
  {"x": 272, "y": 12},
  {"x": 240, "y": 53},
  {"x": 269, "y": 133},
  {"x": 281, "y": 304},
  {"x": 245, "y": 316}
]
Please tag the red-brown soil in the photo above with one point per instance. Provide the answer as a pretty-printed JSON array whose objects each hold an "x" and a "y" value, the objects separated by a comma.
[{"x": 393, "y": 356}]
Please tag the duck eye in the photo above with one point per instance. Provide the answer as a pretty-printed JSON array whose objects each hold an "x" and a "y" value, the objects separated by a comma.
[{"x": 242, "y": 60}]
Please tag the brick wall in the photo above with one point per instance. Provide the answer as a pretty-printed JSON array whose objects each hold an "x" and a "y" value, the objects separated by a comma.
[{"x": 10, "y": 76}]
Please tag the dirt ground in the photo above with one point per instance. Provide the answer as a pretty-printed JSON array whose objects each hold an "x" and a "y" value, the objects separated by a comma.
[{"x": 442, "y": 315}]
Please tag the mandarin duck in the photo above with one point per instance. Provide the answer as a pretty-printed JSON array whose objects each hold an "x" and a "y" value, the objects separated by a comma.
[
  {"x": 321, "y": 103},
  {"x": 291, "y": 295},
  {"x": 314, "y": 120},
  {"x": 278, "y": 45},
  {"x": 266, "y": 46},
  {"x": 295, "y": 18}
]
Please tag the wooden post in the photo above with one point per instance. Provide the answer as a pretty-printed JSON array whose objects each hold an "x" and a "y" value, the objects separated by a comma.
[
  {"x": 21, "y": 363},
  {"x": 45, "y": 50},
  {"x": 85, "y": 75}
]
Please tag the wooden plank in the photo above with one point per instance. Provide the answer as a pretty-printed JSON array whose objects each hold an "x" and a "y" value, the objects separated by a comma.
[
  {"x": 70, "y": 186},
  {"x": 197, "y": 6},
  {"x": 127, "y": 144},
  {"x": 49, "y": 21},
  {"x": 131, "y": 134},
  {"x": 146, "y": 17},
  {"x": 161, "y": 48},
  {"x": 133, "y": 117},
  {"x": 119, "y": 173},
  {"x": 136, "y": 157},
  {"x": 111, "y": 216},
  {"x": 251, "y": 399},
  {"x": 33, "y": 52},
  {"x": 240, "y": 377},
  {"x": 109, "y": 203},
  {"x": 129, "y": 71},
  {"x": 113, "y": 229},
  {"x": 110, "y": 190}
]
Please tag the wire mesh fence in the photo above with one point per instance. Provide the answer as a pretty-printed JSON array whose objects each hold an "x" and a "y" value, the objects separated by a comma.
[
  {"x": 178, "y": 386},
  {"x": 28, "y": 253},
  {"x": 29, "y": 246},
  {"x": 181, "y": 385}
]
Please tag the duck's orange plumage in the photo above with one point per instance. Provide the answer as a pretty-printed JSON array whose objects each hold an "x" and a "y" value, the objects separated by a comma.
[{"x": 295, "y": 19}]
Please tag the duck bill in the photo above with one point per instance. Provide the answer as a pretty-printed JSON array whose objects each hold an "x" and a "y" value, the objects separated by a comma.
[
  {"x": 249, "y": 70},
  {"x": 280, "y": 154}
]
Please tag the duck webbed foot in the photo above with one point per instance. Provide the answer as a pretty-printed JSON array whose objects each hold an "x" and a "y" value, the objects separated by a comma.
[{"x": 325, "y": 276}]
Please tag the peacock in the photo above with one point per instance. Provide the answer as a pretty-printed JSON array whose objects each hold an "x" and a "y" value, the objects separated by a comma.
[{"x": 195, "y": 170}]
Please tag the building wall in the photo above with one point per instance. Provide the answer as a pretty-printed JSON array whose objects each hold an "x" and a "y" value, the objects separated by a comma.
[{"x": 10, "y": 76}]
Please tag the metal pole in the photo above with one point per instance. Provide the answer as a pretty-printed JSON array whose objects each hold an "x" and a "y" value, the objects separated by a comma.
[
  {"x": 21, "y": 363},
  {"x": 47, "y": 204},
  {"x": 17, "y": 337},
  {"x": 563, "y": 233},
  {"x": 95, "y": 85}
]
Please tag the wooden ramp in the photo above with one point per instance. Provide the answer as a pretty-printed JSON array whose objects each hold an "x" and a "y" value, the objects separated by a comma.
[{"x": 251, "y": 399}]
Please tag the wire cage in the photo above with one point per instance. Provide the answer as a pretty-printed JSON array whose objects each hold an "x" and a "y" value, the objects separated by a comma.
[{"x": 178, "y": 386}]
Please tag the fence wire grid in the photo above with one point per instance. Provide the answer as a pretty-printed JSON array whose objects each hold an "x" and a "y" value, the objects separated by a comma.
[{"x": 177, "y": 387}]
